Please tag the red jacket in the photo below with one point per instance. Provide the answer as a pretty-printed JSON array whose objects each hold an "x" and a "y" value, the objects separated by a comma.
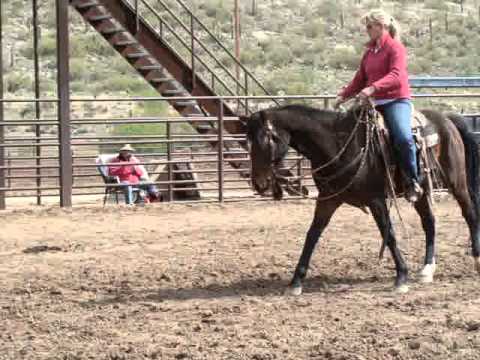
[
  {"x": 385, "y": 70},
  {"x": 127, "y": 171}
]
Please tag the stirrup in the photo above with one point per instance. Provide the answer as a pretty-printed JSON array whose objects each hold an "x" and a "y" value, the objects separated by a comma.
[{"x": 414, "y": 192}]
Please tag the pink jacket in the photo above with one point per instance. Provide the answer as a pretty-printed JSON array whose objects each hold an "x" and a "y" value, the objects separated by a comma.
[
  {"x": 127, "y": 171},
  {"x": 385, "y": 70}
]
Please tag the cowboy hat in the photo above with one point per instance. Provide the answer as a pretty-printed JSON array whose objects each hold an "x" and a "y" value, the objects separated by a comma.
[{"x": 127, "y": 147}]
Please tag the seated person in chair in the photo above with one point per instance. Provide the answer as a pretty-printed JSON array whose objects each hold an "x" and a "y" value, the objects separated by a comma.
[{"x": 130, "y": 173}]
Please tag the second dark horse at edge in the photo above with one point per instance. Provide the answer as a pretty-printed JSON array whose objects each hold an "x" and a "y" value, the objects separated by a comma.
[{"x": 359, "y": 174}]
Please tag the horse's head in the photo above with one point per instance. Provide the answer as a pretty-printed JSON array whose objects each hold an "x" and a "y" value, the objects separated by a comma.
[{"x": 268, "y": 145}]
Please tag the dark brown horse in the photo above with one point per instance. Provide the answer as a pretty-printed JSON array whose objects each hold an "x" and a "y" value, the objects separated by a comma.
[{"x": 349, "y": 169}]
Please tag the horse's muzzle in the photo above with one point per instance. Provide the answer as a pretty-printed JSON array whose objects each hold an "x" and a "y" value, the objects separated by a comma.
[
  {"x": 262, "y": 185},
  {"x": 267, "y": 186}
]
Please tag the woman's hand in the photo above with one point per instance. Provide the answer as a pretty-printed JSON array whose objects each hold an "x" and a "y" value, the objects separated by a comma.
[
  {"x": 338, "y": 101},
  {"x": 366, "y": 93}
]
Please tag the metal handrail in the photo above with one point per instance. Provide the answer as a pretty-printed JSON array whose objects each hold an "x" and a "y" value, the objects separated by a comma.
[
  {"x": 185, "y": 27},
  {"x": 219, "y": 43},
  {"x": 174, "y": 33},
  {"x": 237, "y": 82}
]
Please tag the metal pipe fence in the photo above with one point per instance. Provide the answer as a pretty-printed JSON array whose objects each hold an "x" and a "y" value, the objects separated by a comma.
[{"x": 180, "y": 162}]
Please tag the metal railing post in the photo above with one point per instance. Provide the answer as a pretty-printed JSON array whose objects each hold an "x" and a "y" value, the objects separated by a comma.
[
  {"x": 299, "y": 173},
  {"x": 246, "y": 93},
  {"x": 2, "y": 128},
  {"x": 38, "y": 134},
  {"x": 169, "y": 165},
  {"x": 220, "y": 152},
  {"x": 137, "y": 17},
  {"x": 326, "y": 103},
  {"x": 192, "y": 37}
]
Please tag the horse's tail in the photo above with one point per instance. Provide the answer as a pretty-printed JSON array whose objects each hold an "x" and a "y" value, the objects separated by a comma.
[{"x": 472, "y": 158}]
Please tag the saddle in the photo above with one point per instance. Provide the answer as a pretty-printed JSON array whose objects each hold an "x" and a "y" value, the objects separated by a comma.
[{"x": 426, "y": 140}]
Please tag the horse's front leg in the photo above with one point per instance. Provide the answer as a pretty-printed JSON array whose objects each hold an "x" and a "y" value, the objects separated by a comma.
[
  {"x": 379, "y": 210},
  {"x": 424, "y": 209},
  {"x": 323, "y": 214}
]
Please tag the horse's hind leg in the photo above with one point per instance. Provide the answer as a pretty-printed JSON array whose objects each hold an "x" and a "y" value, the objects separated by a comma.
[
  {"x": 425, "y": 212},
  {"x": 468, "y": 211},
  {"x": 380, "y": 213},
  {"x": 323, "y": 214}
]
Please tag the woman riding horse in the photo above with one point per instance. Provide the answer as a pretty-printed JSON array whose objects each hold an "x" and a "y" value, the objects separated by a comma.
[
  {"x": 347, "y": 167},
  {"x": 383, "y": 75}
]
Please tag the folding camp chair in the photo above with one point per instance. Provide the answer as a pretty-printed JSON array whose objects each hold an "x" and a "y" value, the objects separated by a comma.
[{"x": 112, "y": 182}]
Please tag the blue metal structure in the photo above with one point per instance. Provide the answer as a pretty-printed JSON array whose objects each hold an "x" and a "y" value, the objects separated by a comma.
[{"x": 445, "y": 82}]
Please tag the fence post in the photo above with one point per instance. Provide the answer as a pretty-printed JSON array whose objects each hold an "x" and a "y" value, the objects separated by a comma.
[
  {"x": 246, "y": 92},
  {"x": 220, "y": 152},
  {"x": 2, "y": 128},
  {"x": 169, "y": 165},
  {"x": 326, "y": 103},
  {"x": 299, "y": 173},
  {"x": 9, "y": 170},
  {"x": 63, "y": 85},
  {"x": 38, "y": 134}
]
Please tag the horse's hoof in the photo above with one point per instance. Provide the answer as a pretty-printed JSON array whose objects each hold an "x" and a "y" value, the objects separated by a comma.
[
  {"x": 477, "y": 264},
  {"x": 426, "y": 279},
  {"x": 402, "y": 289},
  {"x": 426, "y": 274},
  {"x": 293, "y": 291}
]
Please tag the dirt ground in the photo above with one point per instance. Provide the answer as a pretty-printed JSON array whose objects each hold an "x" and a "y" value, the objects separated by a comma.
[{"x": 206, "y": 282}]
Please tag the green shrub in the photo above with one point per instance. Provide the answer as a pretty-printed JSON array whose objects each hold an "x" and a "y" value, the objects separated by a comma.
[
  {"x": 48, "y": 47},
  {"x": 15, "y": 82},
  {"x": 435, "y": 4},
  {"x": 139, "y": 129},
  {"x": 314, "y": 28},
  {"x": 280, "y": 55},
  {"x": 344, "y": 57}
]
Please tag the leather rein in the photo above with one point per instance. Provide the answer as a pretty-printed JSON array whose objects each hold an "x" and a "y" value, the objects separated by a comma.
[{"x": 366, "y": 116}]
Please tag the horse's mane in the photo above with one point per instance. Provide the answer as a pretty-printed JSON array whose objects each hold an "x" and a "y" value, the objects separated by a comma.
[
  {"x": 310, "y": 112},
  {"x": 316, "y": 114}
]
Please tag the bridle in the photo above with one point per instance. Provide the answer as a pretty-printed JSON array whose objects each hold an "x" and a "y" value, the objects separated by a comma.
[{"x": 367, "y": 116}]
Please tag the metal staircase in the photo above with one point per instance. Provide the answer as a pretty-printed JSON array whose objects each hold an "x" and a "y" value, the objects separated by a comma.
[
  {"x": 174, "y": 59},
  {"x": 125, "y": 26}
]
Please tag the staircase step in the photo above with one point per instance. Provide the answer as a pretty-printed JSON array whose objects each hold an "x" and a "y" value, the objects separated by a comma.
[
  {"x": 161, "y": 80},
  {"x": 205, "y": 128},
  {"x": 113, "y": 30},
  {"x": 137, "y": 55},
  {"x": 173, "y": 92},
  {"x": 86, "y": 4},
  {"x": 150, "y": 67},
  {"x": 125, "y": 42},
  {"x": 186, "y": 103},
  {"x": 99, "y": 17}
]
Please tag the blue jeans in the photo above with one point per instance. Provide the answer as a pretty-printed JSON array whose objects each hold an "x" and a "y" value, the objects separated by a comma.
[
  {"x": 151, "y": 189},
  {"x": 128, "y": 191},
  {"x": 397, "y": 115}
]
